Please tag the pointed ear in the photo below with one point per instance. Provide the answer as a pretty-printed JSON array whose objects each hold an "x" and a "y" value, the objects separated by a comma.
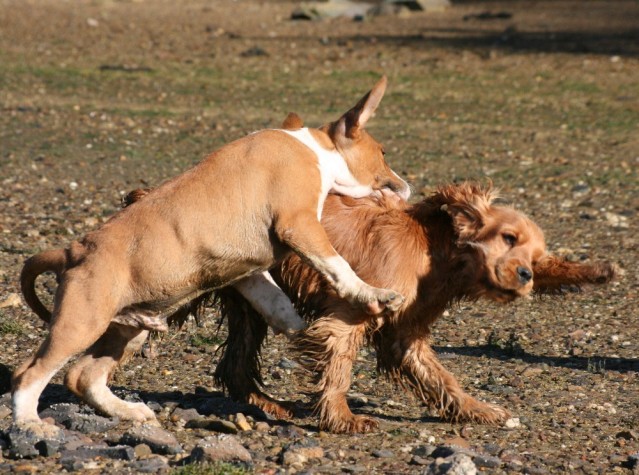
[
  {"x": 355, "y": 119},
  {"x": 292, "y": 122},
  {"x": 467, "y": 221}
]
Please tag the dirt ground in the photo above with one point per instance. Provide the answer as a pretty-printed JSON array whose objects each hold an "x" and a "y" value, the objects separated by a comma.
[{"x": 99, "y": 97}]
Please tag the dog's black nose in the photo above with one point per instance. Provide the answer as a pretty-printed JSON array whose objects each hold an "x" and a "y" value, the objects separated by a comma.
[{"x": 524, "y": 274}]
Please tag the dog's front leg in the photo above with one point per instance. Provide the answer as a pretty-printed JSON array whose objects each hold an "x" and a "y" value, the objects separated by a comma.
[
  {"x": 306, "y": 236},
  {"x": 419, "y": 366},
  {"x": 271, "y": 302}
]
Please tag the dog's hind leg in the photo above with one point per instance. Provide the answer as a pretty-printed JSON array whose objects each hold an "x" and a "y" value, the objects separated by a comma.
[
  {"x": 239, "y": 368},
  {"x": 413, "y": 361},
  {"x": 75, "y": 326},
  {"x": 89, "y": 376},
  {"x": 329, "y": 346}
]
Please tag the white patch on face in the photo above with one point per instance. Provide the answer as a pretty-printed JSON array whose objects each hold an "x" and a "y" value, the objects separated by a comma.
[{"x": 336, "y": 177}]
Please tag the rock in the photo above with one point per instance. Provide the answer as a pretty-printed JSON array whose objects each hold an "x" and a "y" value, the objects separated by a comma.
[
  {"x": 628, "y": 435},
  {"x": 617, "y": 221},
  {"x": 220, "y": 448},
  {"x": 142, "y": 450},
  {"x": 213, "y": 425},
  {"x": 185, "y": 415},
  {"x": 457, "y": 442},
  {"x": 486, "y": 461},
  {"x": 82, "y": 458},
  {"x": 153, "y": 464},
  {"x": 11, "y": 300},
  {"x": 5, "y": 411},
  {"x": 289, "y": 432},
  {"x": 383, "y": 453},
  {"x": 27, "y": 440},
  {"x": 73, "y": 417},
  {"x": 512, "y": 423},
  {"x": 159, "y": 440},
  {"x": 262, "y": 426},
  {"x": 254, "y": 52},
  {"x": 424, "y": 450},
  {"x": 241, "y": 422},
  {"x": 421, "y": 5},
  {"x": 456, "y": 464},
  {"x": 332, "y": 9},
  {"x": 442, "y": 451},
  {"x": 301, "y": 452},
  {"x": 285, "y": 363}
]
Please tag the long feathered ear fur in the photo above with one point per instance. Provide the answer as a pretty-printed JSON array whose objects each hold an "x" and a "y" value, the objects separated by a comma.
[
  {"x": 468, "y": 205},
  {"x": 553, "y": 274}
]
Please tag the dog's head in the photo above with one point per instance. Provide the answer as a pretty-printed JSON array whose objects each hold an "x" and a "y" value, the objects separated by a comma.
[
  {"x": 364, "y": 156},
  {"x": 508, "y": 243}
]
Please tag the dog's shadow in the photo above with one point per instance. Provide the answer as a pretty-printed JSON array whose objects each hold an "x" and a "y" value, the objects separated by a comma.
[{"x": 593, "y": 364}]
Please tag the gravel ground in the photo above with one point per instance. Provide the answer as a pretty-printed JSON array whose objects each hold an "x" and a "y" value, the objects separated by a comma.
[{"x": 540, "y": 97}]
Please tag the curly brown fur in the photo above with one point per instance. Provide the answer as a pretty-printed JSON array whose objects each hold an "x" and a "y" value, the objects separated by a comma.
[{"x": 456, "y": 244}]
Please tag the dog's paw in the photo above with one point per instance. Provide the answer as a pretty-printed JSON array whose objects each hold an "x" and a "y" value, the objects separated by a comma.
[
  {"x": 136, "y": 412},
  {"x": 383, "y": 299},
  {"x": 38, "y": 429},
  {"x": 350, "y": 425},
  {"x": 483, "y": 413},
  {"x": 277, "y": 409}
]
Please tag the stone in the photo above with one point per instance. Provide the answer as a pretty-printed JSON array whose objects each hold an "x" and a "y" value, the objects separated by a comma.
[
  {"x": 383, "y": 453},
  {"x": 424, "y": 450},
  {"x": 262, "y": 426},
  {"x": 241, "y": 422},
  {"x": 456, "y": 464},
  {"x": 142, "y": 450},
  {"x": 11, "y": 300},
  {"x": 5, "y": 411},
  {"x": 185, "y": 415},
  {"x": 27, "y": 440},
  {"x": 512, "y": 423},
  {"x": 213, "y": 425},
  {"x": 289, "y": 432},
  {"x": 82, "y": 458},
  {"x": 486, "y": 461},
  {"x": 301, "y": 452},
  {"x": 159, "y": 440},
  {"x": 79, "y": 419},
  {"x": 153, "y": 464},
  {"x": 220, "y": 448}
]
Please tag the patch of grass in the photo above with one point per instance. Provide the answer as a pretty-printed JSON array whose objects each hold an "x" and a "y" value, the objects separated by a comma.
[
  {"x": 8, "y": 326},
  {"x": 204, "y": 340},
  {"x": 217, "y": 468}
]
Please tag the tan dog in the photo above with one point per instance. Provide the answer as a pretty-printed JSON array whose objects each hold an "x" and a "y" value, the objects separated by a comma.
[
  {"x": 456, "y": 244},
  {"x": 224, "y": 222}
]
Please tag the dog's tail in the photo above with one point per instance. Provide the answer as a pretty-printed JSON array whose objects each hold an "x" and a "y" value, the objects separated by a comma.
[
  {"x": 553, "y": 274},
  {"x": 54, "y": 261}
]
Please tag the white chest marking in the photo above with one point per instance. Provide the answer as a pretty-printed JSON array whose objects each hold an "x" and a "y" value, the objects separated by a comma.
[{"x": 336, "y": 176}]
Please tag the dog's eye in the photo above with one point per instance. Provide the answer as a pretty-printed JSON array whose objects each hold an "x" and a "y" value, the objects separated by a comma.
[{"x": 510, "y": 239}]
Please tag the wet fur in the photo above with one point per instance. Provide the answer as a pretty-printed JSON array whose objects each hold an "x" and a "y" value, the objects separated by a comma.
[{"x": 429, "y": 252}]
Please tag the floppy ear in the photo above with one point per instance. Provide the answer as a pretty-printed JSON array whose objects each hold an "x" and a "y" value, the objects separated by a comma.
[
  {"x": 467, "y": 204},
  {"x": 292, "y": 122},
  {"x": 552, "y": 273},
  {"x": 353, "y": 121},
  {"x": 466, "y": 221}
]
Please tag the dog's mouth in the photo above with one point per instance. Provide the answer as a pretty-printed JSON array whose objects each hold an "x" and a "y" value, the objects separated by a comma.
[{"x": 500, "y": 290}]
